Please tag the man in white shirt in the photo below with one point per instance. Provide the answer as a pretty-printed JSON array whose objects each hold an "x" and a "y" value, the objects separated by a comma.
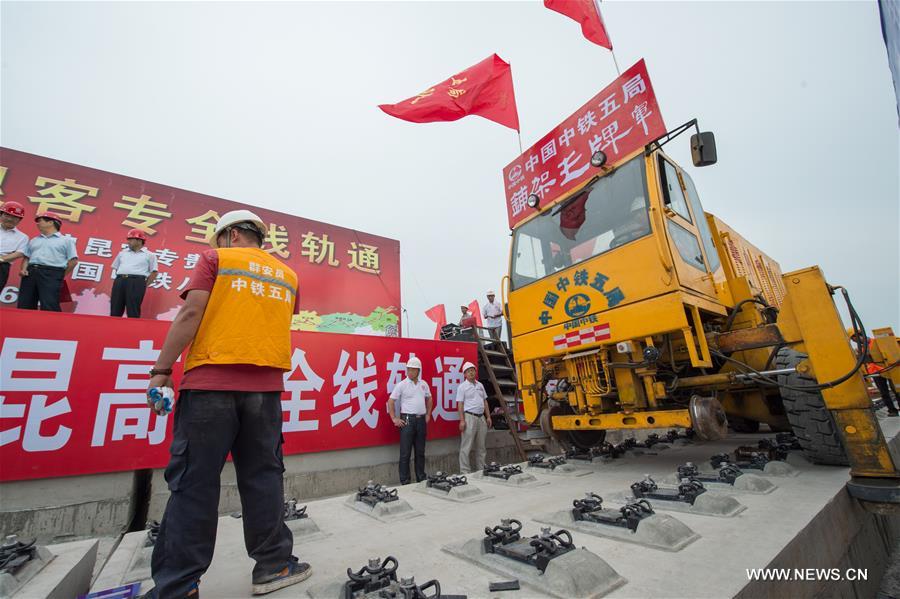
[
  {"x": 493, "y": 315},
  {"x": 474, "y": 419},
  {"x": 415, "y": 402},
  {"x": 135, "y": 270},
  {"x": 12, "y": 240}
]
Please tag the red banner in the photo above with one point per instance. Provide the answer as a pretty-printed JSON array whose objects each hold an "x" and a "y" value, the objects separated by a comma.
[
  {"x": 349, "y": 280},
  {"x": 73, "y": 393},
  {"x": 619, "y": 120}
]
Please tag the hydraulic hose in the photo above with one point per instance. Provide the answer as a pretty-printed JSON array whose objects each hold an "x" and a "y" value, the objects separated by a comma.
[{"x": 859, "y": 335}]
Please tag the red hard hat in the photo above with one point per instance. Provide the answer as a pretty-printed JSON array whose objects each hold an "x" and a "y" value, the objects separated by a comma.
[
  {"x": 13, "y": 209},
  {"x": 137, "y": 234},
  {"x": 50, "y": 215}
]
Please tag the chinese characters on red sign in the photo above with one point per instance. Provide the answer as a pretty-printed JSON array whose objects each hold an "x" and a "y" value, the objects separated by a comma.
[
  {"x": 73, "y": 393},
  {"x": 349, "y": 280},
  {"x": 619, "y": 120}
]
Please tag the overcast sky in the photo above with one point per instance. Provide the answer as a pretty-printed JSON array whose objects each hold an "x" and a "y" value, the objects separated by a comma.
[{"x": 275, "y": 104}]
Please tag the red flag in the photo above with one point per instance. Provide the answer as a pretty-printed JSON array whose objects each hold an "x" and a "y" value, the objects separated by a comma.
[
  {"x": 438, "y": 315},
  {"x": 485, "y": 89},
  {"x": 476, "y": 312},
  {"x": 586, "y": 13}
]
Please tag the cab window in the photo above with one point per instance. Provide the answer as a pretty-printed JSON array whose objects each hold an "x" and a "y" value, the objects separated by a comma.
[
  {"x": 709, "y": 245},
  {"x": 674, "y": 196},
  {"x": 607, "y": 214}
]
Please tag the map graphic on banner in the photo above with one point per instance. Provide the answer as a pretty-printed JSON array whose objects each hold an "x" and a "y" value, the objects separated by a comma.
[
  {"x": 349, "y": 280},
  {"x": 619, "y": 120}
]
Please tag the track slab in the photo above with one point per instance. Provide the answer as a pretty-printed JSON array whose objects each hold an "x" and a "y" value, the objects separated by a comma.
[{"x": 713, "y": 566}]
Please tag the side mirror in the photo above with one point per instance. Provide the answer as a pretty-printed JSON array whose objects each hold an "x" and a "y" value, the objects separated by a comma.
[{"x": 703, "y": 148}]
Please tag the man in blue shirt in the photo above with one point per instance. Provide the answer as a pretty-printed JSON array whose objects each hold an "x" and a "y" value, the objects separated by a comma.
[{"x": 49, "y": 257}]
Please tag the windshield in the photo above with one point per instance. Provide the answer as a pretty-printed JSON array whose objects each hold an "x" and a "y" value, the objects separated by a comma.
[{"x": 605, "y": 215}]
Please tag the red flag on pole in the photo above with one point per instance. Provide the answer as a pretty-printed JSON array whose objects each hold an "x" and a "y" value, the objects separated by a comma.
[
  {"x": 475, "y": 309},
  {"x": 587, "y": 13},
  {"x": 485, "y": 89},
  {"x": 438, "y": 315}
]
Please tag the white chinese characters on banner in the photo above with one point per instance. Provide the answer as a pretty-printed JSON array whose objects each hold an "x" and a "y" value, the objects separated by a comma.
[
  {"x": 38, "y": 412},
  {"x": 355, "y": 386},
  {"x": 450, "y": 375},
  {"x": 296, "y": 386},
  {"x": 60, "y": 358},
  {"x": 98, "y": 247},
  {"x": 620, "y": 119},
  {"x": 396, "y": 373},
  {"x": 88, "y": 271},
  {"x": 131, "y": 417},
  {"x": 397, "y": 370},
  {"x": 30, "y": 374}
]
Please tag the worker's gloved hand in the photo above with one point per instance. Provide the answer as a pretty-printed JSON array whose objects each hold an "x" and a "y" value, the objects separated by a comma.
[{"x": 161, "y": 399}]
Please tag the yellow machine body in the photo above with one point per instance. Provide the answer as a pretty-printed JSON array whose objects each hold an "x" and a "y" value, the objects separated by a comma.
[{"x": 630, "y": 321}]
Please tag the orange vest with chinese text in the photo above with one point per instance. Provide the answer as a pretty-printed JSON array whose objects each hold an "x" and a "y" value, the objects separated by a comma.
[{"x": 248, "y": 317}]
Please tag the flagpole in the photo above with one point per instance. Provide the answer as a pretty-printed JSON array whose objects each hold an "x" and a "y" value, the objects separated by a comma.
[
  {"x": 519, "y": 133},
  {"x": 611, "y": 51}
]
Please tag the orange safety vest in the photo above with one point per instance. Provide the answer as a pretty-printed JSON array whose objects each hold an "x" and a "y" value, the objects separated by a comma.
[
  {"x": 872, "y": 367},
  {"x": 248, "y": 317}
]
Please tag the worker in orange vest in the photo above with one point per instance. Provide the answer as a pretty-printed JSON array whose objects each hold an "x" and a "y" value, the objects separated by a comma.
[
  {"x": 885, "y": 386},
  {"x": 237, "y": 320}
]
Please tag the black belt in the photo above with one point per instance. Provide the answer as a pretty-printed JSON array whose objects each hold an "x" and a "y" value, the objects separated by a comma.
[
  {"x": 118, "y": 276},
  {"x": 44, "y": 267},
  {"x": 413, "y": 415},
  {"x": 481, "y": 414}
]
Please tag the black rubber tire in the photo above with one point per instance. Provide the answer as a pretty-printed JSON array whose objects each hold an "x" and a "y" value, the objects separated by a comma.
[
  {"x": 813, "y": 424},
  {"x": 580, "y": 439},
  {"x": 743, "y": 425}
]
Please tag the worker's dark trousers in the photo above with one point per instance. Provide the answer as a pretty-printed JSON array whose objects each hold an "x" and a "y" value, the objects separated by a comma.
[
  {"x": 4, "y": 274},
  {"x": 209, "y": 424},
  {"x": 41, "y": 285},
  {"x": 885, "y": 386},
  {"x": 412, "y": 434},
  {"x": 128, "y": 294}
]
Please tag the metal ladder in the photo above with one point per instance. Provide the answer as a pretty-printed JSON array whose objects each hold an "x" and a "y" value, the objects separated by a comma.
[{"x": 503, "y": 379}]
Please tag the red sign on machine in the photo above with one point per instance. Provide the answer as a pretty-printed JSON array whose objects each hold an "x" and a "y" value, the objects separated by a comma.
[
  {"x": 349, "y": 280},
  {"x": 619, "y": 120},
  {"x": 73, "y": 393}
]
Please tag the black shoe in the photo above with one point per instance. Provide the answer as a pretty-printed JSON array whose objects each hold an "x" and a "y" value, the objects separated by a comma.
[{"x": 295, "y": 571}]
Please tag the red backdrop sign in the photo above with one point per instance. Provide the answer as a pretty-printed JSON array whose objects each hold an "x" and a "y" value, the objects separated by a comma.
[
  {"x": 619, "y": 120},
  {"x": 349, "y": 280},
  {"x": 73, "y": 393}
]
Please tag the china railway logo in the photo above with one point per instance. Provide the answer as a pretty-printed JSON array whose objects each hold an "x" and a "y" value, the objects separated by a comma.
[{"x": 578, "y": 305}]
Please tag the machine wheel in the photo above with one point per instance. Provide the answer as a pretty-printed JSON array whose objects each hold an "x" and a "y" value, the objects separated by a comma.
[
  {"x": 580, "y": 439},
  {"x": 813, "y": 424}
]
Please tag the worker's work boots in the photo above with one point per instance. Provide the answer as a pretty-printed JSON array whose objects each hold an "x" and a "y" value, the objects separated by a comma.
[{"x": 295, "y": 571}]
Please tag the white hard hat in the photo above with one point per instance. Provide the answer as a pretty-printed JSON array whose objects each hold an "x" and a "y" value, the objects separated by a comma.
[
  {"x": 467, "y": 366},
  {"x": 414, "y": 362},
  {"x": 234, "y": 217},
  {"x": 491, "y": 292}
]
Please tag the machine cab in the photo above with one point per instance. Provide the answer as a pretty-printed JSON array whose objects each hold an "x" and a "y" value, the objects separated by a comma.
[{"x": 633, "y": 232}]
